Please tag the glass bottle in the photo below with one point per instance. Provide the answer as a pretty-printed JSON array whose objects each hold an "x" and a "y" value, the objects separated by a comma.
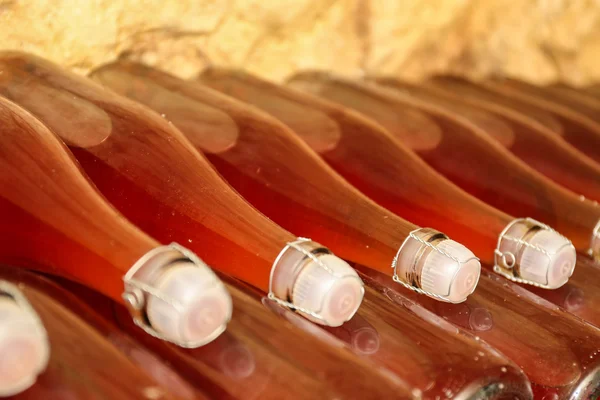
[
  {"x": 444, "y": 277},
  {"x": 454, "y": 203},
  {"x": 59, "y": 290},
  {"x": 531, "y": 141},
  {"x": 53, "y": 218},
  {"x": 264, "y": 144},
  {"x": 579, "y": 129},
  {"x": 78, "y": 355},
  {"x": 261, "y": 357},
  {"x": 414, "y": 377},
  {"x": 154, "y": 176},
  {"x": 378, "y": 164}
]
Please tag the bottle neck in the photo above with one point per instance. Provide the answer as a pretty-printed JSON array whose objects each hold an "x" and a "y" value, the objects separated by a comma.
[
  {"x": 577, "y": 128},
  {"x": 539, "y": 142},
  {"x": 144, "y": 166}
]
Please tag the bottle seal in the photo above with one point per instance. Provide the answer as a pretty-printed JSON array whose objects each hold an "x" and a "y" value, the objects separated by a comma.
[
  {"x": 307, "y": 278},
  {"x": 430, "y": 263},
  {"x": 532, "y": 253},
  {"x": 174, "y": 296}
]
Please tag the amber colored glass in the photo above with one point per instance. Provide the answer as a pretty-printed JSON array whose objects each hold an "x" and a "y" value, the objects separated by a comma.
[
  {"x": 28, "y": 239},
  {"x": 145, "y": 360},
  {"x": 558, "y": 353},
  {"x": 577, "y": 101},
  {"x": 52, "y": 217},
  {"x": 261, "y": 357},
  {"x": 83, "y": 349},
  {"x": 400, "y": 352},
  {"x": 369, "y": 142},
  {"x": 535, "y": 144},
  {"x": 254, "y": 163},
  {"x": 365, "y": 153},
  {"x": 271, "y": 167},
  {"x": 444, "y": 362},
  {"x": 149, "y": 128},
  {"x": 215, "y": 118},
  {"x": 478, "y": 164},
  {"x": 580, "y": 126},
  {"x": 147, "y": 169},
  {"x": 110, "y": 181},
  {"x": 373, "y": 161}
]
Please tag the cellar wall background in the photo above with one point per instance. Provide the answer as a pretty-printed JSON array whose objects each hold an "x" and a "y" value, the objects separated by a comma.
[{"x": 539, "y": 41}]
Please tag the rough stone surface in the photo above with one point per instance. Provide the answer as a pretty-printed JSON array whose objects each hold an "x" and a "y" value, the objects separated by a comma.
[{"x": 536, "y": 40}]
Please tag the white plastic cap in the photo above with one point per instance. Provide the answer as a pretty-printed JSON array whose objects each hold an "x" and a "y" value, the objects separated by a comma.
[
  {"x": 554, "y": 270},
  {"x": 206, "y": 306},
  {"x": 24, "y": 348},
  {"x": 335, "y": 297},
  {"x": 443, "y": 276}
]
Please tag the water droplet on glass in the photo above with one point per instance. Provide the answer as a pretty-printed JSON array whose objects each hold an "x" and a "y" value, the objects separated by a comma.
[
  {"x": 481, "y": 320},
  {"x": 574, "y": 300}
]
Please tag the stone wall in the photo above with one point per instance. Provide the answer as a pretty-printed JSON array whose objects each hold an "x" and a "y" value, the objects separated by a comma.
[{"x": 536, "y": 40}]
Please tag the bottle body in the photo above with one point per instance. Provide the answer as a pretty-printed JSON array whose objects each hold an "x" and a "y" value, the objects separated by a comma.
[
  {"x": 260, "y": 357},
  {"x": 41, "y": 187},
  {"x": 538, "y": 142},
  {"x": 80, "y": 353},
  {"x": 485, "y": 224},
  {"x": 578, "y": 128},
  {"x": 401, "y": 335},
  {"x": 479, "y": 165},
  {"x": 502, "y": 334}
]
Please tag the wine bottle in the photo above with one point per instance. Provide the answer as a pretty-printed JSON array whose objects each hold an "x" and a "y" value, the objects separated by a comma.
[
  {"x": 255, "y": 127},
  {"x": 310, "y": 200},
  {"x": 385, "y": 326},
  {"x": 366, "y": 152},
  {"x": 154, "y": 176},
  {"x": 577, "y": 99},
  {"x": 457, "y": 205},
  {"x": 59, "y": 290},
  {"x": 539, "y": 147},
  {"x": 267, "y": 145},
  {"x": 54, "y": 220},
  {"x": 570, "y": 366},
  {"x": 260, "y": 357},
  {"x": 578, "y": 128},
  {"x": 567, "y": 97},
  {"x": 490, "y": 172},
  {"x": 77, "y": 358},
  {"x": 358, "y": 156}
]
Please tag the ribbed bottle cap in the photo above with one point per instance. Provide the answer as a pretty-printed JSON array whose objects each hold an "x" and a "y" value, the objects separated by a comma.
[
  {"x": 334, "y": 292},
  {"x": 198, "y": 306},
  {"x": 551, "y": 267},
  {"x": 24, "y": 348},
  {"x": 453, "y": 275}
]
